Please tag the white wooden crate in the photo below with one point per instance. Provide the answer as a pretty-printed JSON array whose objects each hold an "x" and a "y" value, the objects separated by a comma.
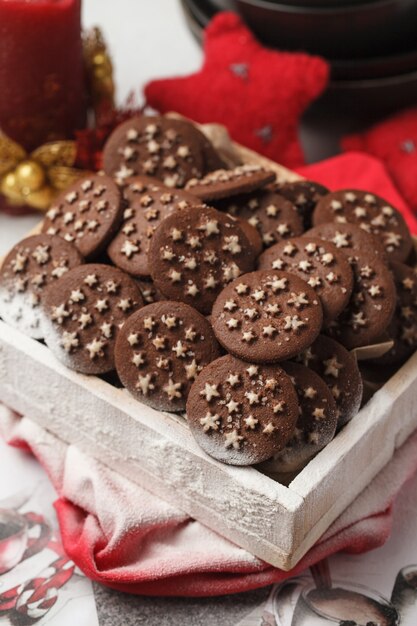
[{"x": 156, "y": 450}]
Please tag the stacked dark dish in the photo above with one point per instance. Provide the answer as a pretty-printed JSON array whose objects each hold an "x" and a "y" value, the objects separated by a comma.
[{"x": 371, "y": 45}]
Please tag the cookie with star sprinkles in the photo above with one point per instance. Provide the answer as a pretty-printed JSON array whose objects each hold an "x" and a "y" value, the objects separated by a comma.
[
  {"x": 194, "y": 254},
  {"x": 87, "y": 214},
  {"x": 148, "y": 203},
  {"x": 83, "y": 314},
  {"x": 348, "y": 237},
  {"x": 267, "y": 316},
  {"x": 339, "y": 370},
  {"x": 371, "y": 305},
  {"x": 316, "y": 424},
  {"x": 272, "y": 215},
  {"x": 32, "y": 265},
  {"x": 304, "y": 195},
  {"x": 225, "y": 183},
  {"x": 320, "y": 264},
  {"x": 168, "y": 149},
  {"x": 403, "y": 326},
  {"x": 160, "y": 351},
  {"x": 242, "y": 413},
  {"x": 372, "y": 213}
]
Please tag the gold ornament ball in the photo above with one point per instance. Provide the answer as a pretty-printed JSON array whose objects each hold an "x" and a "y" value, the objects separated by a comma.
[
  {"x": 9, "y": 186},
  {"x": 41, "y": 199},
  {"x": 30, "y": 176}
]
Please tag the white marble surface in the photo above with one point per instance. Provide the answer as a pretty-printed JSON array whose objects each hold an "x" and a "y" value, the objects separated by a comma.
[{"x": 148, "y": 39}]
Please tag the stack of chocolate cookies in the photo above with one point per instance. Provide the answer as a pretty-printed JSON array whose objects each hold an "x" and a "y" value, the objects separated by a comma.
[{"x": 218, "y": 291}]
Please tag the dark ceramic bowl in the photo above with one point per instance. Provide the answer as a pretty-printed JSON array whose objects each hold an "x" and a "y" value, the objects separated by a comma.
[{"x": 343, "y": 31}]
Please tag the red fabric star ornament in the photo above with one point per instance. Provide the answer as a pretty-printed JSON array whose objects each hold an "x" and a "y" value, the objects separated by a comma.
[
  {"x": 394, "y": 141},
  {"x": 258, "y": 94}
]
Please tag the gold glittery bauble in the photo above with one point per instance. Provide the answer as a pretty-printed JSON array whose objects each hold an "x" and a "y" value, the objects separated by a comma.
[
  {"x": 41, "y": 199},
  {"x": 9, "y": 187},
  {"x": 30, "y": 176}
]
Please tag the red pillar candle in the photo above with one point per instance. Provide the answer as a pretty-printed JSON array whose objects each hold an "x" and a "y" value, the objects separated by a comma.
[{"x": 42, "y": 83}]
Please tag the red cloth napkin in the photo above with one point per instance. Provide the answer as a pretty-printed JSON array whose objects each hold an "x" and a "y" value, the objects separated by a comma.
[{"x": 394, "y": 141}]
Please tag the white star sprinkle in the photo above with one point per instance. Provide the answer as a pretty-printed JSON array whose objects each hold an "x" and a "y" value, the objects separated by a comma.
[
  {"x": 101, "y": 305},
  {"x": 233, "y": 380},
  {"x": 133, "y": 339},
  {"x": 210, "y": 422},
  {"x": 232, "y": 406},
  {"x": 124, "y": 304},
  {"x": 144, "y": 384},
  {"x": 106, "y": 330},
  {"x": 59, "y": 313},
  {"x": 77, "y": 295},
  {"x": 129, "y": 248},
  {"x": 172, "y": 389},
  {"x": 91, "y": 280},
  {"x": 69, "y": 341},
  {"x": 209, "y": 392},
  {"x": 84, "y": 320},
  {"x": 180, "y": 349},
  {"x": 41, "y": 254},
  {"x": 95, "y": 348},
  {"x": 210, "y": 228},
  {"x": 293, "y": 322},
  {"x": 232, "y": 440},
  {"x": 191, "y": 370},
  {"x": 248, "y": 336},
  {"x": 251, "y": 422},
  {"x": 175, "y": 276},
  {"x": 138, "y": 359},
  {"x": 19, "y": 262},
  {"x": 252, "y": 397},
  {"x": 159, "y": 342},
  {"x": 332, "y": 367}
]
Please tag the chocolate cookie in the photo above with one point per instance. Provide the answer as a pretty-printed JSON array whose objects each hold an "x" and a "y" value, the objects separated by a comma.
[
  {"x": 316, "y": 424},
  {"x": 193, "y": 254},
  {"x": 372, "y": 213},
  {"x": 348, "y": 237},
  {"x": 242, "y": 413},
  {"x": 371, "y": 305},
  {"x": 160, "y": 351},
  {"x": 271, "y": 214},
  {"x": 320, "y": 264},
  {"x": 87, "y": 214},
  {"x": 84, "y": 312},
  {"x": 168, "y": 149},
  {"x": 225, "y": 183},
  {"x": 403, "y": 326},
  {"x": 32, "y": 265},
  {"x": 304, "y": 195},
  {"x": 339, "y": 370},
  {"x": 148, "y": 203},
  {"x": 267, "y": 316}
]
